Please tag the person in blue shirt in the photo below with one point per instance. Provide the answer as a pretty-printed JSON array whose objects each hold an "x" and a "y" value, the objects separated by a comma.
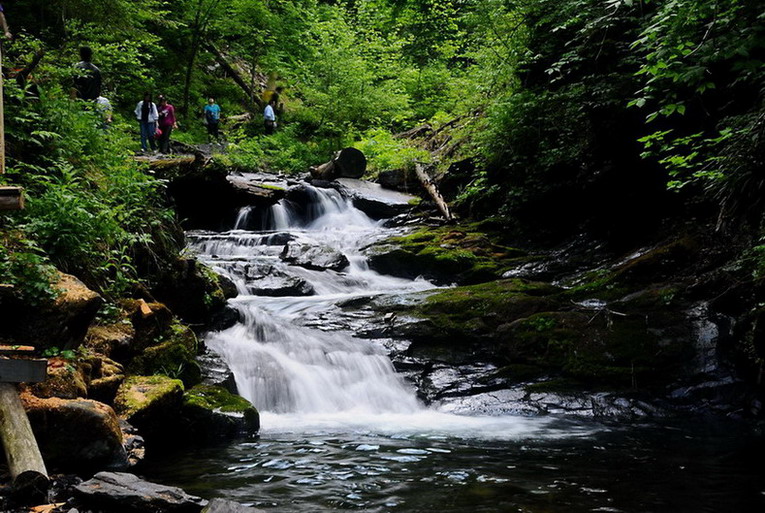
[
  {"x": 269, "y": 116},
  {"x": 212, "y": 120}
]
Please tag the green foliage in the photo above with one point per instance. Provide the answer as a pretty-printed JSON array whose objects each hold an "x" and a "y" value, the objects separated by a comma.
[
  {"x": 385, "y": 152},
  {"x": 24, "y": 267}
]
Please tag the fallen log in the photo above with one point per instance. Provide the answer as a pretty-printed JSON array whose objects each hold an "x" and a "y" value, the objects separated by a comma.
[
  {"x": 346, "y": 163},
  {"x": 430, "y": 186},
  {"x": 30, "y": 478},
  {"x": 235, "y": 75}
]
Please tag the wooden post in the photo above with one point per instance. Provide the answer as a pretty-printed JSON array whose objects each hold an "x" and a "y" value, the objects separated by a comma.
[
  {"x": 30, "y": 478},
  {"x": 11, "y": 198}
]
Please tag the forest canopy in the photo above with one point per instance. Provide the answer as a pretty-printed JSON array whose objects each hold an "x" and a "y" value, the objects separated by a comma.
[{"x": 597, "y": 106}]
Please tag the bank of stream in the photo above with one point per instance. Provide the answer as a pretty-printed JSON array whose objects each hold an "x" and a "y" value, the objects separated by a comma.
[{"x": 342, "y": 429}]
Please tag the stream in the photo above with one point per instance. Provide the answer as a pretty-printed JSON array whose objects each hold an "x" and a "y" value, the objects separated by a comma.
[{"x": 342, "y": 430}]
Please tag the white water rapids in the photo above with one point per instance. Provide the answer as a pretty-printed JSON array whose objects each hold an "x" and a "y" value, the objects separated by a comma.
[{"x": 295, "y": 357}]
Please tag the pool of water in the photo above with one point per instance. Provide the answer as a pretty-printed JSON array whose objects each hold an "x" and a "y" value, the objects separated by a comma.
[{"x": 557, "y": 466}]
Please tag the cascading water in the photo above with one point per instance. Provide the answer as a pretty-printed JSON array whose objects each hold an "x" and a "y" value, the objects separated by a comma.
[
  {"x": 288, "y": 359},
  {"x": 341, "y": 430}
]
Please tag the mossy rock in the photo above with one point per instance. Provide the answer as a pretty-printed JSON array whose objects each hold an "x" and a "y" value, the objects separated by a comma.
[
  {"x": 446, "y": 254},
  {"x": 172, "y": 358},
  {"x": 144, "y": 395},
  {"x": 64, "y": 380},
  {"x": 210, "y": 412},
  {"x": 112, "y": 339}
]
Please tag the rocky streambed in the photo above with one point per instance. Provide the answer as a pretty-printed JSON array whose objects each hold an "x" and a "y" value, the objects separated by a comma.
[{"x": 368, "y": 332}]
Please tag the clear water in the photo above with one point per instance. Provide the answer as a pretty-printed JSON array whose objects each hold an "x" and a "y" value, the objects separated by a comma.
[{"x": 342, "y": 431}]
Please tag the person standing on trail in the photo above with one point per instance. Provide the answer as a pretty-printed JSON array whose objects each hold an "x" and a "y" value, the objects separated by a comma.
[
  {"x": 4, "y": 24},
  {"x": 87, "y": 82},
  {"x": 269, "y": 116},
  {"x": 166, "y": 123},
  {"x": 212, "y": 120},
  {"x": 147, "y": 116}
]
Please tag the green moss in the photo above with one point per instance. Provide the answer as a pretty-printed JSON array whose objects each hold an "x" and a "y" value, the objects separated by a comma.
[
  {"x": 218, "y": 399},
  {"x": 139, "y": 393},
  {"x": 172, "y": 358}
]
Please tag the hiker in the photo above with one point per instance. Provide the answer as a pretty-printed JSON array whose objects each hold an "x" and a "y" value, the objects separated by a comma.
[
  {"x": 104, "y": 109},
  {"x": 269, "y": 117},
  {"x": 166, "y": 123},
  {"x": 87, "y": 82},
  {"x": 4, "y": 24},
  {"x": 147, "y": 115},
  {"x": 212, "y": 120}
]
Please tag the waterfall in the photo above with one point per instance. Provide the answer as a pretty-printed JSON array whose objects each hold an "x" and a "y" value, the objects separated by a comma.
[{"x": 282, "y": 359}]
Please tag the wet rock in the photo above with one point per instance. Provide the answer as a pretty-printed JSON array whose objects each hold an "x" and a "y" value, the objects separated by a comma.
[
  {"x": 280, "y": 286},
  {"x": 175, "y": 356},
  {"x": 320, "y": 258},
  {"x": 374, "y": 200},
  {"x": 213, "y": 413},
  {"x": 76, "y": 435},
  {"x": 226, "y": 506},
  {"x": 105, "y": 379},
  {"x": 122, "y": 492}
]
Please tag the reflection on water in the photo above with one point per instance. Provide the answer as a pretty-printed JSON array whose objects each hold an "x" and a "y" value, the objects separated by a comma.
[{"x": 632, "y": 469}]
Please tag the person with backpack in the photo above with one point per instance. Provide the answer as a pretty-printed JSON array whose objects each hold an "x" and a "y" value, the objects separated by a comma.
[
  {"x": 166, "y": 123},
  {"x": 87, "y": 80},
  {"x": 212, "y": 120},
  {"x": 147, "y": 116}
]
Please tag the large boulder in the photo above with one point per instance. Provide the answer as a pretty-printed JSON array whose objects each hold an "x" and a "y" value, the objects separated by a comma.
[
  {"x": 174, "y": 355},
  {"x": 76, "y": 435},
  {"x": 375, "y": 201},
  {"x": 311, "y": 256},
  {"x": 126, "y": 493},
  {"x": 64, "y": 380},
  {"x": 62, "y": 322},
  {"x": 111, "y": 339}
]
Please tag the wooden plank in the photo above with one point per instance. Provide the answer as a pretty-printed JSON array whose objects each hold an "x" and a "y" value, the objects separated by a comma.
[
  {"x": 25, "y": 463},
  {"x": 145, "y": 308},
  {"x": 11, "y": 198},
  {"x": 23, "y": 371}
]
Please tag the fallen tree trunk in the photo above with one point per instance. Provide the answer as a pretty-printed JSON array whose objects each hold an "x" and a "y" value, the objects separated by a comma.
[
  {"x": 30, "y": 478},
  {"x": 427, "y": 183},
  {"x": 228, "y": 68},
  {"x": 347, "y": 163}
]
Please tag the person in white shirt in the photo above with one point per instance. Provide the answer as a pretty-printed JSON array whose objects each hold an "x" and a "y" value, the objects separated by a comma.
[
  {"x": 269, "y": 117},
  {"x": 147, "y": 116}
]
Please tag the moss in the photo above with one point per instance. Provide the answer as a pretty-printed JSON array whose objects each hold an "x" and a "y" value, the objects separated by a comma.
[
  {"x": 203, "y": 402},
  {"x": 216, "y": 398},
  {"x": 139, "y": 393},
  {"x": 172, "y": 358},
  {"x": 557, "y": 385},
  {"x": 449, "y": 254}
]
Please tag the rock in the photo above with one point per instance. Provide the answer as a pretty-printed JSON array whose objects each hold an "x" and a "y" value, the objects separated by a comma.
[
  {"x": 150, "y": 403},
  {"x": 105, "y": 379},
  {"x": 175, "y": 356},
  {"x": 225, "y": 506},
  {"x": 446, "y": 255},
  {"x": 348, "y": 162},
  {"x": 113, "y": 339},
  {"x": 117, "y": 491},
  {"x": 65, "y": 380},
  {"x": 402, "y": 180},
  {"x": 280, "y": 286},
  {"x": 77, "y": 435},
  {"x": 193, "y": 291},
  {"x": 252, "y": 188},
  {"x": 211, "y": 412},
  {"x": 373, "y": 200},
  {"x": 60, "y": 323},
  {"x": 320, "y": 258},
  {"x": 149, "y": 327}
]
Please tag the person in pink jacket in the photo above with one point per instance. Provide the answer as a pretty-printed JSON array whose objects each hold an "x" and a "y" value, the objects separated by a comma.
[{"x": 166, "y": 123}]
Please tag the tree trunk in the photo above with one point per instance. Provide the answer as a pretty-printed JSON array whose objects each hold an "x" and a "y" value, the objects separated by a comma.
[
  {"x": 30, "y": 478},
  {"x": 429, "y": 186},
  {"x": 221, "y": 59}
]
